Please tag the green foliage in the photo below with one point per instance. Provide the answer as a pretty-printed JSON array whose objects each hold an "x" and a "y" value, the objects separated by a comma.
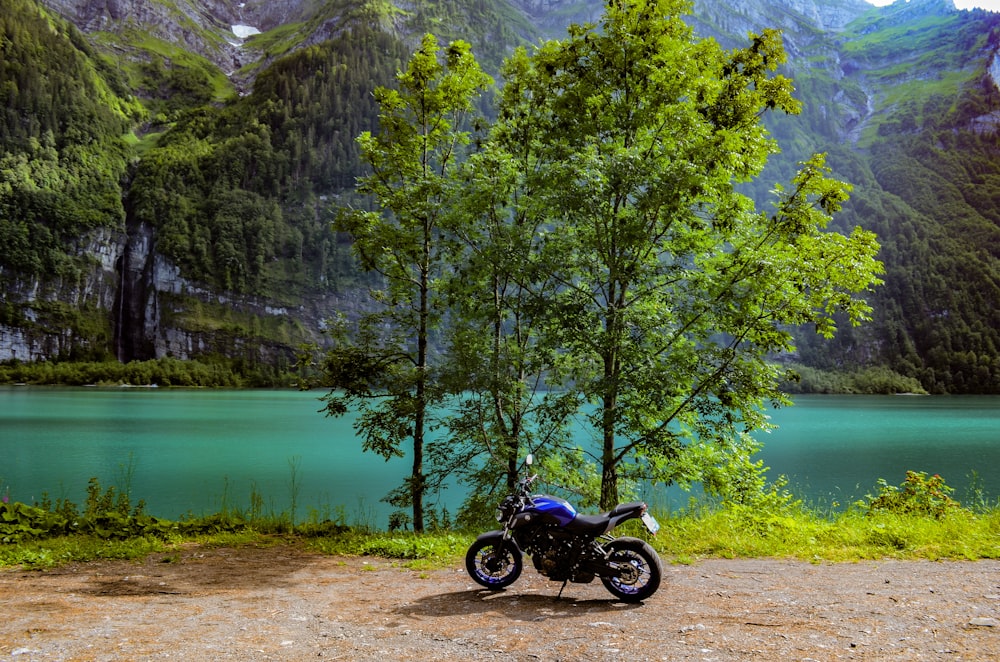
[
  {"x": 62, "y": 157},
  {"x": 235, "y": 188},
  {"x": 607, "y": 257},
  {"x": 922, "y": 184},
  {"x": 49, "y": 82},
  {"x": 39, "y": 536},
  {"x": 19, "y": 522},
  {"x": 441, "y": 546},
  {"x": 217, "y": 373},
  {"x": 107, "y": 514},
  {"x": 232, "y": 191},
  {"x": 919, "y": 494},
  {"x": 917, "y": 520},
  {"x": 732, "y": 531},
  {"x": 52, "y": 552},
  {"x": 672, "y": 287},
  {"x": 383, "y": 369},
  {"x": 740, "y": 481},
  {"x": 861, "y": 381},
  {"x": 169, "y": 78},
  {"x": 316, "y": 101}
]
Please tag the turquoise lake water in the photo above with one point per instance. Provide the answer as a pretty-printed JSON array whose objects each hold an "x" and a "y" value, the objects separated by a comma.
[{"x": 195, "y": 451}]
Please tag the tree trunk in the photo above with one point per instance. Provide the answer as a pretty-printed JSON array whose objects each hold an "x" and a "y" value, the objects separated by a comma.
[
  {"x": 609, "y": 467},
  {"x": 417, "y": 476},
  {"x": 610, "y": 388},
  {"x": 609, "y": 478}
]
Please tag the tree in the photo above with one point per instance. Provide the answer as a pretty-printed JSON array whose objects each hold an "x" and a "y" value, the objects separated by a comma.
[
  {"x": 498, "y": 363},
  {"x": 674, "y": 289},
  {"x": 386, "y": 371}
]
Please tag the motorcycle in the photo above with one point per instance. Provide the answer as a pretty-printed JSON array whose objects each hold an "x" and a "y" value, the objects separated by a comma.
[{"x": 566, "y": 546}]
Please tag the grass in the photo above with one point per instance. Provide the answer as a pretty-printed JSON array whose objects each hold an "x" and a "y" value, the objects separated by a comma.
[
  {"x": 700, "y": 532},
  {"x": 417, "y": 551},
  {"x": 52, "y": 552},
  {"x": 915, "y": 520},
  {"x": 847, "y": 537}
]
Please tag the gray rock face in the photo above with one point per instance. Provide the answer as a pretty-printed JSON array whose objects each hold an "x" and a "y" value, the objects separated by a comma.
[
  {"x": 200, "y": 26},
  {"x": 45, "y": 307}
]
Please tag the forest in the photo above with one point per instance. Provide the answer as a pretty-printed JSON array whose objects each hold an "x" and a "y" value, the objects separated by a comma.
[{"x": 63, "y": 137}]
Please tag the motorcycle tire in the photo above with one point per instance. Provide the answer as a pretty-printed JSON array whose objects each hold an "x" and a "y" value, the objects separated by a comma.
[
  {"x": 494, "y": 563},
  {"x": 642, "y": 580}
]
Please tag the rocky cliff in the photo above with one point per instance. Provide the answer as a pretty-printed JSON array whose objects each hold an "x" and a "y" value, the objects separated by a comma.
[
  {"x": 202, "y": 27},
  {"x": 50, "y": 317}
]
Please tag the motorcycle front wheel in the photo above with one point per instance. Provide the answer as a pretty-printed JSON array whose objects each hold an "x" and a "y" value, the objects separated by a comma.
[
  {"x": 494, "y": 563},
  {"x": 637, "y": 569}
]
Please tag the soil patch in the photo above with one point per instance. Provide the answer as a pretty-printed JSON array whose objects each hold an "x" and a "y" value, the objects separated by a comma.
[{"x": 281, "y": 603}]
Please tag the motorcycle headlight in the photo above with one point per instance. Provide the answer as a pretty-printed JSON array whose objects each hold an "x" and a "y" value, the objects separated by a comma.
[{"x": 505, "y": 509}]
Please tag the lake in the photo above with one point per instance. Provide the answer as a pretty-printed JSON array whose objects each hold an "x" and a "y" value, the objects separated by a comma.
[{"x": 197, "y": 451}]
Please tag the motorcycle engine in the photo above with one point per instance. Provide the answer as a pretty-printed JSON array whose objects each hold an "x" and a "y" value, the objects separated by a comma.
[
  {"x": 552, "y": 553},
  {"x": 547, "y": 562}
]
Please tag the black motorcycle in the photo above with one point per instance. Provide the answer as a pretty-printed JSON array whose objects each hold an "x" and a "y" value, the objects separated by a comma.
[{"x": 565, "y": 546}]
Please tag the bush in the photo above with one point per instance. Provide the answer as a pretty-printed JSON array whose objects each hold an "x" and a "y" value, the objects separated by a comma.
[
  {"x": 918, "y": 495},
  {"x": 20, "y": 522}
]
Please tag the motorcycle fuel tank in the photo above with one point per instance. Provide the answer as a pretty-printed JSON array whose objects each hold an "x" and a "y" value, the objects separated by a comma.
[{"x": 552, "y": 510}]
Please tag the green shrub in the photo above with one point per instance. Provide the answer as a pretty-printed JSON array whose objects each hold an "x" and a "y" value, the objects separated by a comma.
[
  {"x": 918, "y": 495},
  {"x": 20, "y": 522}
]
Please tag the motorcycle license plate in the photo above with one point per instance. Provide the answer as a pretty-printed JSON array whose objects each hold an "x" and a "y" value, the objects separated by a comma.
[{"x": 651, "y": 524}]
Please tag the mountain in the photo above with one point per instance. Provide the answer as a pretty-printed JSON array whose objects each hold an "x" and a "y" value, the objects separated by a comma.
[
  {"x": 169, "y": 169},
  {"x": 904, "y": 101}
]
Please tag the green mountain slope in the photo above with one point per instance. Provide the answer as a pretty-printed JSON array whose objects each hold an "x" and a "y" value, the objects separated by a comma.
[
  {"x": 62, "y": 131},
  {"x": 914, "y": 132},
  {"x": 903, "y": 100}
]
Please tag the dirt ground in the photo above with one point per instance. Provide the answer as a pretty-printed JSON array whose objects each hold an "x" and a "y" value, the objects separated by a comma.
[{"x": 281, "y": 603}]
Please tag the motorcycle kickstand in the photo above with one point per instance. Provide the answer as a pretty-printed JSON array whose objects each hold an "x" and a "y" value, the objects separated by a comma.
[{"x": 559, "y": 597}]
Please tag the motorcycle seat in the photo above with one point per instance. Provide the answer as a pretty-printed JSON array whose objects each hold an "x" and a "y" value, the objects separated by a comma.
[
  {"x": 595, "y": 525},
  {"x": 636, "y": 507}
]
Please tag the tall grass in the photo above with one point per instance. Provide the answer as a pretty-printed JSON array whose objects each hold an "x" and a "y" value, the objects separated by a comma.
[
  {"x": 916, "y": 520},
  {"x": 854, "y": 535}
]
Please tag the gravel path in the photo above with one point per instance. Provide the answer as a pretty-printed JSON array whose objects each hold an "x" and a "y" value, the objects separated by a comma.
[{"x": 280, "y": 603}]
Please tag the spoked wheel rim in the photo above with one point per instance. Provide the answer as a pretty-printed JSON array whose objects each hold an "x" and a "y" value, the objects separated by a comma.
[
  {"x": 494, "y": 564},
  {"x": 635, "y": 574}
]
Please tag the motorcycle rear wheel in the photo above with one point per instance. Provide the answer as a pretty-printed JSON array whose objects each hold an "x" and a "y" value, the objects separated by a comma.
[
  {"x": 642, "y": 569},
  {"x": 494, "y": 563}
]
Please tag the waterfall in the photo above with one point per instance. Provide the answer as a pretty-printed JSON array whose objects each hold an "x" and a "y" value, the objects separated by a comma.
[
  {"x": 132, "y": 339},
  {"x": 119, "y": 315}
]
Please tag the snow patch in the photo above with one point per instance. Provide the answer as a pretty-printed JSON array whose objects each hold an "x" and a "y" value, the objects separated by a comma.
[
  {"x": 995, "y": 70},
  {"x": 244, "y": 31},
  {"x": 990, "y": 122}
]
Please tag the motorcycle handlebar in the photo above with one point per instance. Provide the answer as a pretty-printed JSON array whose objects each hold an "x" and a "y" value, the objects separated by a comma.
[{"x": 527, "y": 481}]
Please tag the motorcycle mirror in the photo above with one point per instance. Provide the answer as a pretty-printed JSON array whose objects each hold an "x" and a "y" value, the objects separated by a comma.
[{"x": 528, "y": 460}]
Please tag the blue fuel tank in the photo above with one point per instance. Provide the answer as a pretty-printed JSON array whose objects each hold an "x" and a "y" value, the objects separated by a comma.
[{"x": 552, "y": 510}]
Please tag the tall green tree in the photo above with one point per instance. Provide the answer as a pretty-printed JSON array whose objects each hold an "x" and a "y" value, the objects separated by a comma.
[
  {"x": 386, "y": 371},
  {"x": 674, "y": 289},
  {"x": 498, "y": 363}
]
